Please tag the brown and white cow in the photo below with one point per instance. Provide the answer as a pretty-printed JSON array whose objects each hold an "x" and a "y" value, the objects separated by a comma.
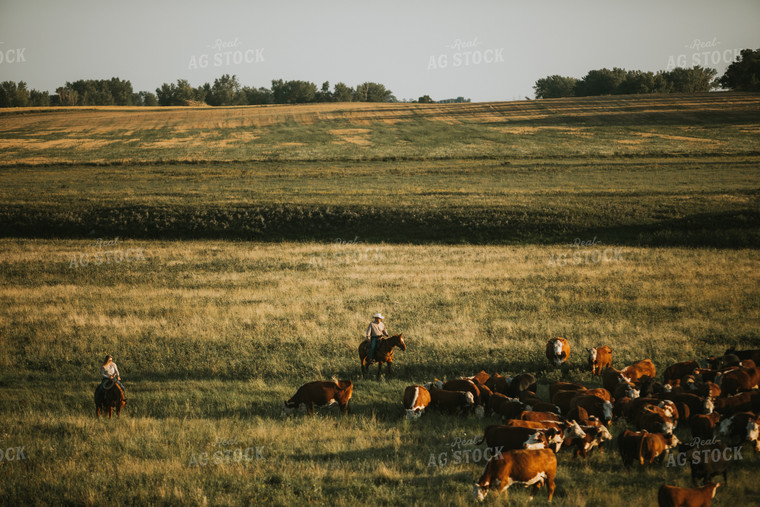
[
  {"x": 599, "y": 358},
  {"x": 453, "y": 402},
  {"x": 639, "y": 369},
  {"x": 319, "y": 394},
  {"x": 654, "y": 445},
  {"x": 416, "y": 400},
  {"x": 469, "y": 386},
  {"x": 526, "y": 467},
  {"x": 740, "y": 428},
  {"x": 557, "y": 351},
  {"x": 595, "y": 436},
  {"x": 672, "y": 496},
  {"x": 655, "y": 420},
  {"x": 517, "y": 437}
]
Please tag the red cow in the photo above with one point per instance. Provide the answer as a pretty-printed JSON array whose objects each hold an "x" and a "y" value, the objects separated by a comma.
[
  {"x": 320, "y": 394},
  {"x": 671, "y": 496},
  {"x": 599, "y": 358},
  {"x": 527, "y": 467}
]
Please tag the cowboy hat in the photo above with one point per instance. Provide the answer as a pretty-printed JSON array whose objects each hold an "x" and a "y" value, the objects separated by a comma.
[{"x": 378, "y": 316}]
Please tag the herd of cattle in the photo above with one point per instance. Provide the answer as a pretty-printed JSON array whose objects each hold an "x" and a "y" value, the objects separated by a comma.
[{"x": 718, "y": 400}]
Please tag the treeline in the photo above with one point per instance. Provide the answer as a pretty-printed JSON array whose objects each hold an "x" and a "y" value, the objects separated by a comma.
[
  {"x": 741, "y": 75},
  {"x": 225, "y": 91},
  {"x": 623, "y": 82}
]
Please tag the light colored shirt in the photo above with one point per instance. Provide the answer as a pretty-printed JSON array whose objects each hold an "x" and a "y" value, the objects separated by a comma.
[
  {"x": 376, "y": 329},
  {"x": 111, "y": 369}
]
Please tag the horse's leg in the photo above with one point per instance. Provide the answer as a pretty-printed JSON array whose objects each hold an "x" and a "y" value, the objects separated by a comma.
[
  {"x": 110, "y": 411},
  {"x": 310, "y": 408},
  {"x": 379, "y": 369},
  {"x": 389, "y": 368}
]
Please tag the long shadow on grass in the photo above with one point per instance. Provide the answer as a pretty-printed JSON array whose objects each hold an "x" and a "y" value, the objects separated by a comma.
[{"x": 390, "y": 224}]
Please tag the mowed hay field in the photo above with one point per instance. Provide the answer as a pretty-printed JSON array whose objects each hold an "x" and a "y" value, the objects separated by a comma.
[{"x": 226, "y": 267}]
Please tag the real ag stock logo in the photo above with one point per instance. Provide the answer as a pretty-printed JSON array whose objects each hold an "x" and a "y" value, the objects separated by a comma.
[
  {"x": 11, "y": 55},
  {"x": 464, "y": 53},
  {"x": 226, "y": 53}
]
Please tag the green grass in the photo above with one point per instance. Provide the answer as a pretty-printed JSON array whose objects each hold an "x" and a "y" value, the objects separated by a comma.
[
  {"x": 211, "y": 337},
  {"x": 260, "y": 262}
]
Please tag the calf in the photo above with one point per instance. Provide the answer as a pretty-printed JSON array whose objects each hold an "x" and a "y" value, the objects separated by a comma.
[
  {"x": 569, "y": 431},
  {"x": 527, "y": 467},
  {"x": 634, "y": 372},
  {"x": 595, "y": 436},
  {"x": 498, "y": 384},
  {"x": 453, "y": 402},
  {"x": 599, "y": 358},
  {"x": 672, "y": 496},
  {"x": 557, "y": 351},
  {"x": 416, "y": 400},
  {"x": 320, "y": 394},
  {"x": 599, "y": 392}
]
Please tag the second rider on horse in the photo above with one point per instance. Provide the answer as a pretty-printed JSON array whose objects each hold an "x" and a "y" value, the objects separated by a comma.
[{"x": 375, "y": 331}]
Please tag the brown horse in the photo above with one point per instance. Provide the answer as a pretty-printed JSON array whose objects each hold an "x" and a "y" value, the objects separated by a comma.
[
  {"x": 109, "y": 398},
  {"x": 383, "y": 353}
]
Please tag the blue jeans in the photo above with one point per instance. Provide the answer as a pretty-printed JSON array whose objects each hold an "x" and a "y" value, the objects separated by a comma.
[
  {"x": 103, "y": 383},
  {"x": 372, "y": 344}
]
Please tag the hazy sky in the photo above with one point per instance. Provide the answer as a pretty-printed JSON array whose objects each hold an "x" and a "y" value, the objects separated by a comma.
[{"x": 482, "y": 49}]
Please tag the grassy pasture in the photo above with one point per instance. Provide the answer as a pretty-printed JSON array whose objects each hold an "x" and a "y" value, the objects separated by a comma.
[{"x": 457, "y": 221}]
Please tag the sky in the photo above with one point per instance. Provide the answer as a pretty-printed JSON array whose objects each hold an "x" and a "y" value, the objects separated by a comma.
[{"x": 485, "y": 50}]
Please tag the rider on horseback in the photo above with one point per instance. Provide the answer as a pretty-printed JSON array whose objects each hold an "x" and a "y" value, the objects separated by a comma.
[
  {"x": 375, "y": 330},
  {"x": 109, "y": 371}
]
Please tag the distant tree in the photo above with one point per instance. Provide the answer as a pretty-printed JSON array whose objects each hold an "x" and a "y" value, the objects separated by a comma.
[
  {"x": 39, "y": 99},
  {"x": 293, "y": 92},
  {"x": 342, "y": 93},
  {"x": 13, "y": 95},
  {"x": 66, "y": 96},
  {"x": 555, "y": 86},
  {"x": 600, "y": 82},
  {"x": 425, "y": 99},
  {"x": 743, "y": 74},
  {"x": 695, "y": 80},
  {"x": 373, "y": 92},
  {"x": 176, "y": 95},
  {"x": 225, "y": 92},
  {"x": 147, "y": 99},
  {"x": 256, "y": 96},
  {"x": 324, "y": 94}
]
